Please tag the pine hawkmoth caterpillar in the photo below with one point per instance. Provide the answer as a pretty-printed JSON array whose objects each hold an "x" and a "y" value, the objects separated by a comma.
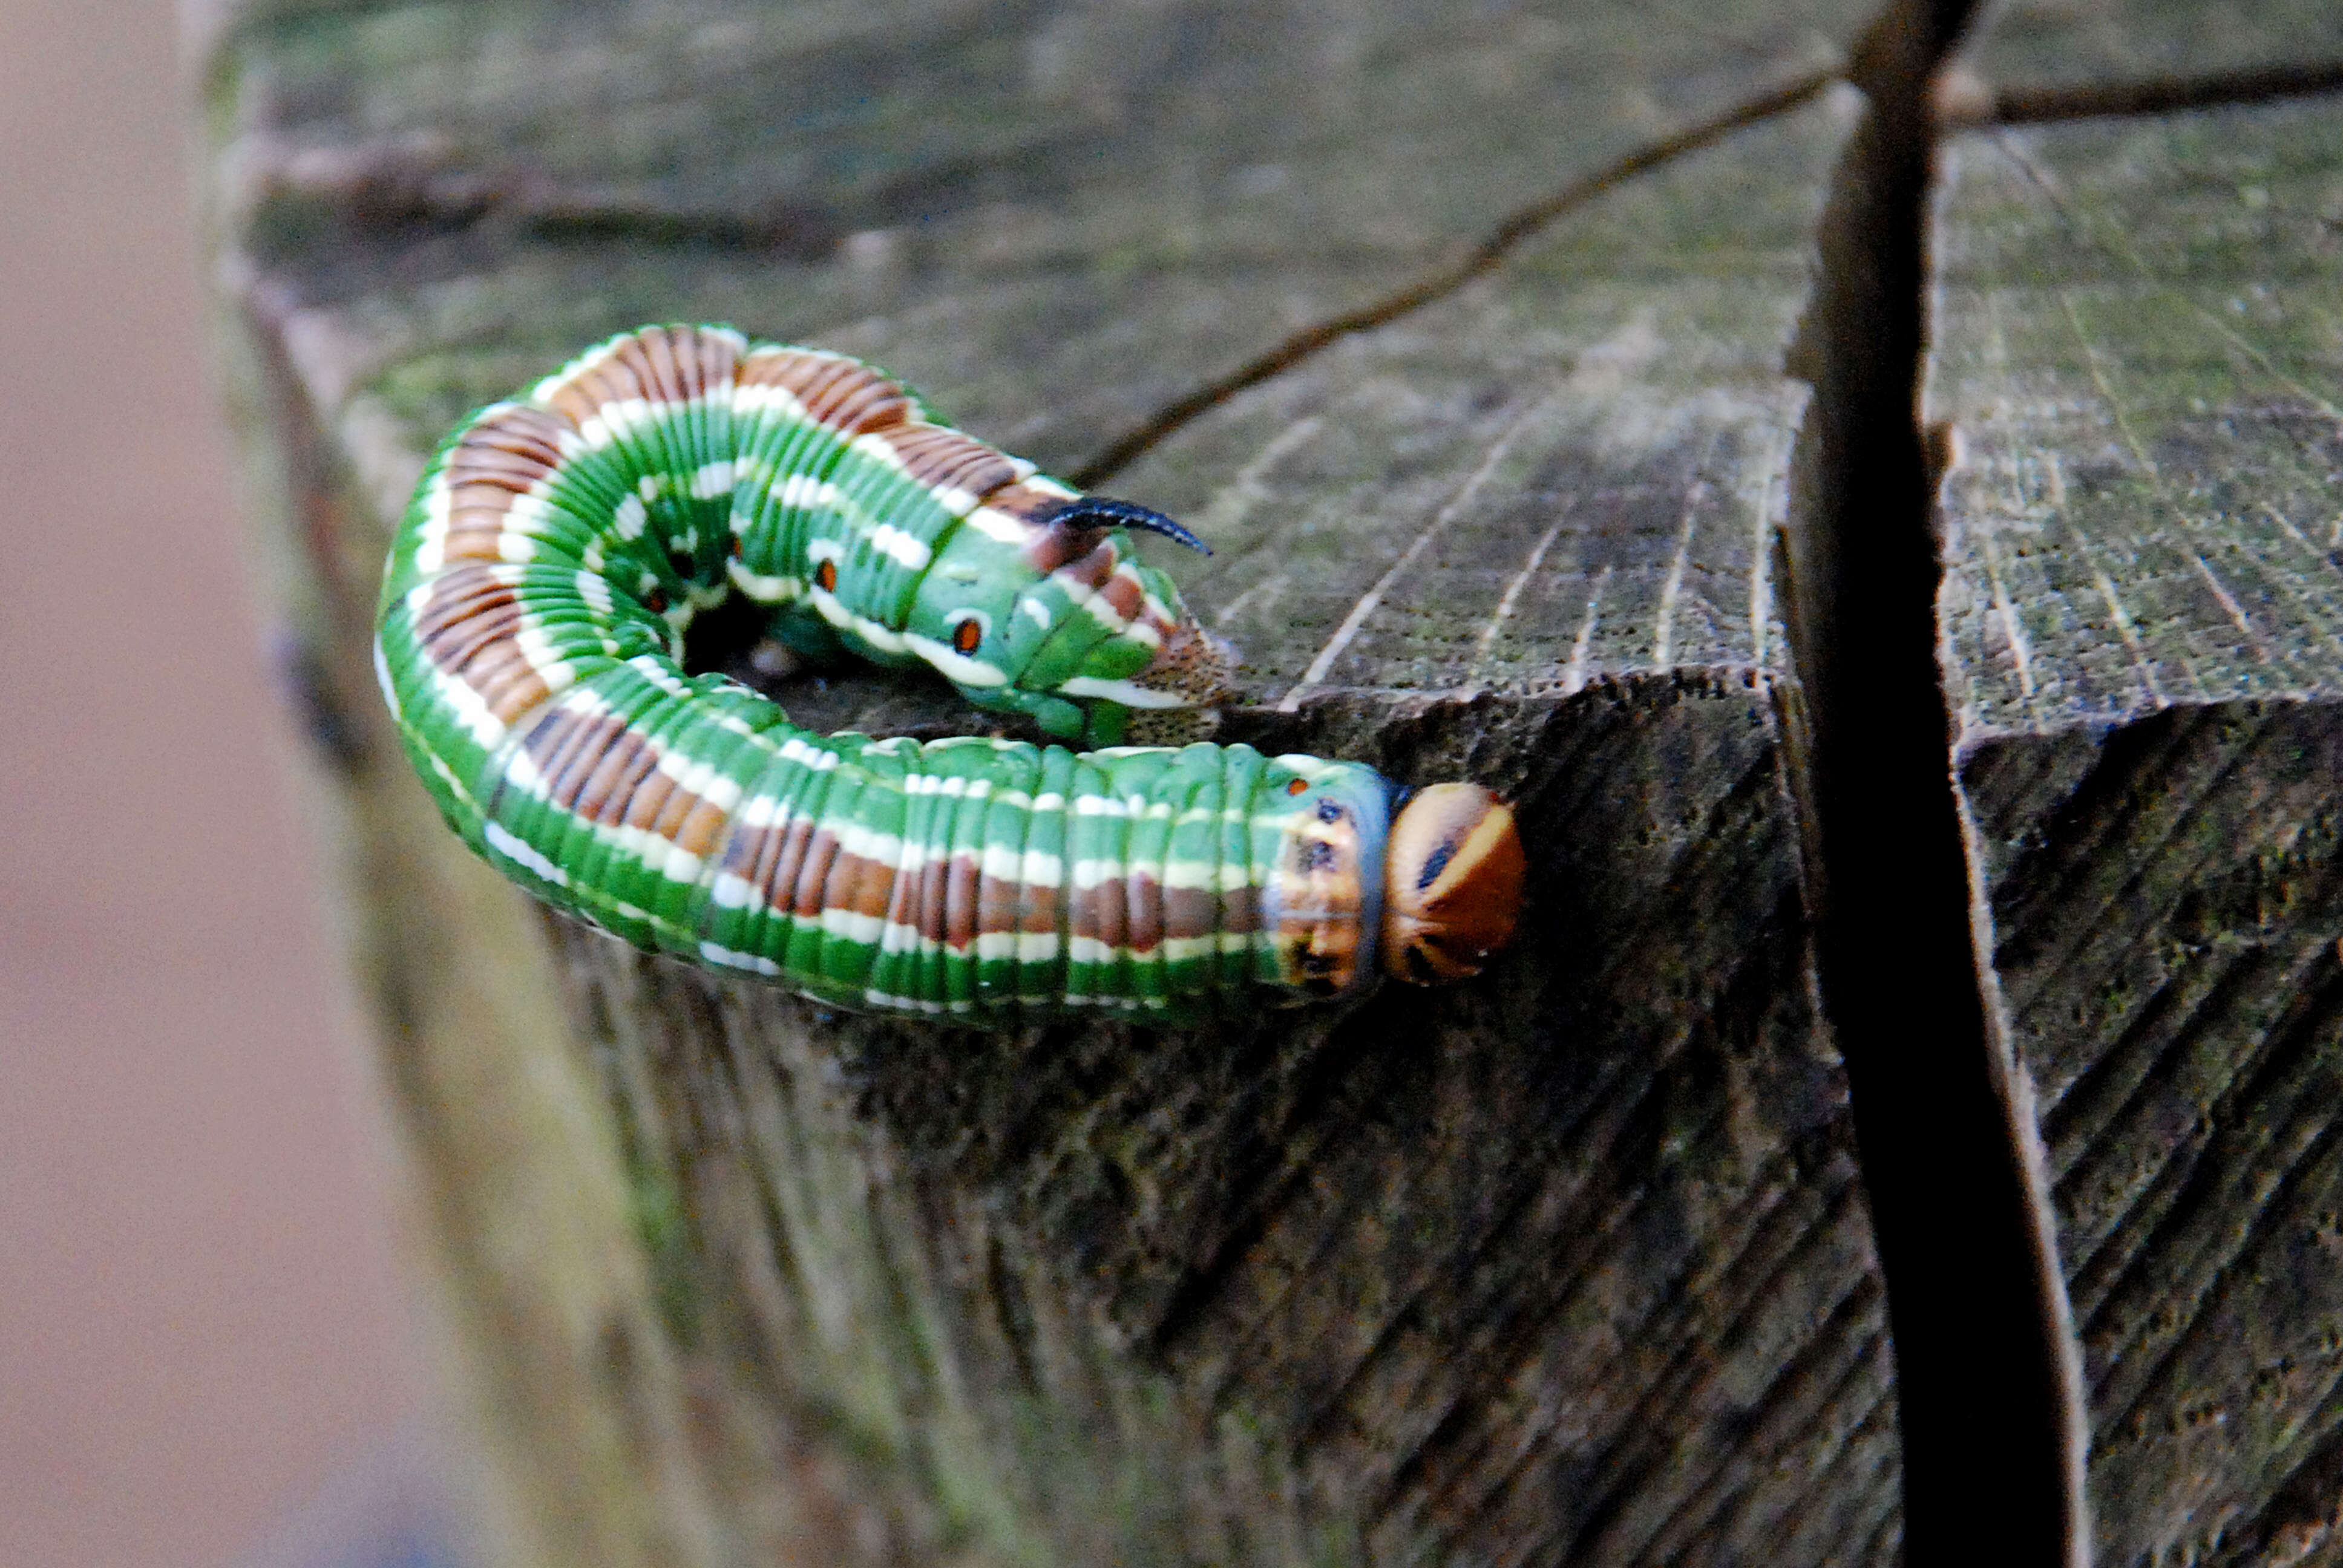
[{"x": 529, "y": 646}]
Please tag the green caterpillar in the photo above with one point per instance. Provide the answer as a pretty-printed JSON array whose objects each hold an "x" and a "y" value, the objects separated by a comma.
[{"x": 529, "y": 644}]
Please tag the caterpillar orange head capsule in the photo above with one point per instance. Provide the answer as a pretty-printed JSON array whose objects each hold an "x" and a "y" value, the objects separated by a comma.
[{"x": 1452, "y": 879}]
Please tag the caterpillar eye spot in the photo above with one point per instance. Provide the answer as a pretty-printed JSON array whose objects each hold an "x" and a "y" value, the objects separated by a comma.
[
  {"x": 1297, "y": 785},
  {"x": 825, "y": 576},
  {"x": 655, "y": 600},
  {"x": 1329, "y": 811},
  {"x": 966, "y": 636},
  {"x": 735, "y": 547}
]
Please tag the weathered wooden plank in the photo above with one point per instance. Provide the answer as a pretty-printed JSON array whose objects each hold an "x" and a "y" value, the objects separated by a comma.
[
  {"x": 1569, "y": 1265},
  {"x": 2135, "y": 365}
]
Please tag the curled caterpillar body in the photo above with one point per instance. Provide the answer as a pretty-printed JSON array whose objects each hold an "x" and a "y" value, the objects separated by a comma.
[{"x": 529, "y": 644}]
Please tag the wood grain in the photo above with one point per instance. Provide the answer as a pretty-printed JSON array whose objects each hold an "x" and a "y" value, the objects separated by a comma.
[
  {"x": 2134, "y": 373},
  {"x": 1569, "y": 1265}
]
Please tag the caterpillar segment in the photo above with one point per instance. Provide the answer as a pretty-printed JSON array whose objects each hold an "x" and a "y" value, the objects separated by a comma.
[{"x": 529, "y": 646}]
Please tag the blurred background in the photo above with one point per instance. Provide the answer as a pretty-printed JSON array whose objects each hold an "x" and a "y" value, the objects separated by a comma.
[{"x": 206, "y": 1355}]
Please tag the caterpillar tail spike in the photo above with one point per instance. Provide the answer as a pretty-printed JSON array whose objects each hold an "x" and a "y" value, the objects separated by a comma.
[
  {"x": 1100, "y": 512},
  {"x": 528, "y": 643}
]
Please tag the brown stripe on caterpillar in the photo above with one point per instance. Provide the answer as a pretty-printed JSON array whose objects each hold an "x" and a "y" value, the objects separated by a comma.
[
  {"x": 1123, "y": 595},
  {"x": 1083, "y": 576},
  {"x": 462, "y": 609},
  {"x": 874, "y": 888},
  {"x": 478, "y": 512},
  {"x": 473, "y": 537},
  {"x": 668, "y": 380},
  {"x": 903, "y": 900},
  {"x": 856, "y": 400},
  {"x": 908, "y": 907},
  {"x": 582, "y": 395},
  {"x": 692, "y": 821},
  {"x": 1189, "y": 912},
  {"x": 508, "y": 684},
  {"x": 1111, "y": 909},
  {"x": 935, "y": 900},
  {"x": 841, "y": 876},
  {"x": 593, "y": 763},
  {"x": 589, "y": 391},
  {"x": 768, "y": 858},
  {"x": 996, "y": 905},
  {"x": 516, "y": 430},
  {"x": 839, "y": 394},
  {"x": 595, "y": 774},
  {"x": 977, "y": 904},
  {"x": 807, "y": 890},
  {"x": 607, "y": 774},
  {"x": 753, "y": 852},
  {"x": 719, "y": 357},
  {"x": 702, "y": 360},
  {"x": 931, "y": 901},
  {"x": 960, "y": 924},
  {"x": 663, "y": 805},
  {"x": 1037, "y": 907},
  {"x": 581, "y": 770},
  {"x": 495, "y": 466},
  {"x": 945, "y": 460},
  {"x": 1144, "y": 912},
  {"x": 604, "y": 770},
  {"x": 483, "y": 477},
  {"x": 648, "y": 366},
  {"x": 1241, "y": 910},
  {"x": 791, "y": 849},
  {"x": 860, "y": 885},
  {"x": 702, "y": 828},
  {"x": 472, "y": 637}
]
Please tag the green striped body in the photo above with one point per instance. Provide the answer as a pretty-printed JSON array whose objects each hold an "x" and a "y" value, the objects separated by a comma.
[{"x": 529, "y": 640}]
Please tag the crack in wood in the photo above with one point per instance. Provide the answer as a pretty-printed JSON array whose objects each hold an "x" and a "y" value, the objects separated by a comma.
[
  {"x": 1485, "y": 256},
  {"x": 1964, "y": 101},
  {"x": 1963, "y": 1230}
]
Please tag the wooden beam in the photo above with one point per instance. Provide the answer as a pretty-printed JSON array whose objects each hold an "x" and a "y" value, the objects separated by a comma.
[
  {"x": 2132, "y": 390},
  {"x": 1570, "y": 1264}
]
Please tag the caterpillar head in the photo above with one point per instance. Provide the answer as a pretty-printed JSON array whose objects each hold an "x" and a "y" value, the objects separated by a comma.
[{"x": 1452, "y": 879}]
